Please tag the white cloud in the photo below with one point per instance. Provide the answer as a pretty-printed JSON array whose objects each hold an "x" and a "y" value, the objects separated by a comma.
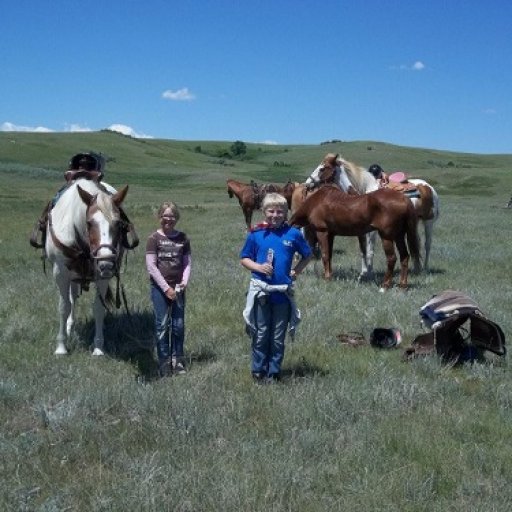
[
  {"x": 10, "y": 127},
  {"x": 417, "y": 66},
  {"x": 489, "y": 111},
  {"x": 128, "y": 130},
  {"x": 269, "y": 142},
  {"x": 72, "y": 127},
  {"x": 180, "y": 95}
]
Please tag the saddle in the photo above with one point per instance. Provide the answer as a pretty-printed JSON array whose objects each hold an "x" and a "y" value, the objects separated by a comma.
[
  {"x": 260, "y": 191},
  {"x": 407, "y": 188},
  {"x": 460, "y": 331}
]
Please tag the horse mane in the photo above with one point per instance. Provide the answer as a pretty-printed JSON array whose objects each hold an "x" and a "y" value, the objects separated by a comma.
[
  {"x": 360, "y": 178},
  {"x": 355, "y": 175},
  {"x": 107, "y": 207},
  {"x": 69, "y": 212}
]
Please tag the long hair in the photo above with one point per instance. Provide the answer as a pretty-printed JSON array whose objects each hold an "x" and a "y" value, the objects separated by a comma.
[{"x": 360, "y": 178}]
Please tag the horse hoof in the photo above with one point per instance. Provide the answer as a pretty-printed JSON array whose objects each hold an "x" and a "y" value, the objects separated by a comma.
[
  {"x": 382, "y": 290},
  {"x": 61, "y": 351},
  {"x": 98, "y": 352}
]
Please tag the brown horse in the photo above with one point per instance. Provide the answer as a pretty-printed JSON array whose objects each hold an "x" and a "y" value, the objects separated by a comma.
[
  {"x": 250, "y": 195},
  {"x": 331, "y": 212}
]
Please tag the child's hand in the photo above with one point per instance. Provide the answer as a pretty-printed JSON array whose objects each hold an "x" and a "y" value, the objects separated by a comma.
[
  {"x": 170, "y": 293},
  {"x": 267, "y": 269}
]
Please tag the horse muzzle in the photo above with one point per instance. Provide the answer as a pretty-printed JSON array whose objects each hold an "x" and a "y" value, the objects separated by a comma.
[{"x": 105, "y": 259}]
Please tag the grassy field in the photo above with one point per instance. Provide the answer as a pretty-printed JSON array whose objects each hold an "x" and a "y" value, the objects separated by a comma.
[{"x": 346, "y": 429}]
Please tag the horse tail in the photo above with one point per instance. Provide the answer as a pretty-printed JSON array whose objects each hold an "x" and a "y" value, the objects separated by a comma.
[{"x": 413, "y": 239}]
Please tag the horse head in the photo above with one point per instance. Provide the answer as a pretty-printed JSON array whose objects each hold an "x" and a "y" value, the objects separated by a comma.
[
  {"x": 104, "y": 230},
  {"x": 327, "y": 174}
]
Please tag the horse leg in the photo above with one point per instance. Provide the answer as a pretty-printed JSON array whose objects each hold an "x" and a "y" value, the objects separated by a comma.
[
  {"x": 325, "y": 240},
  {"x": 248, "y": 217},
  {"x": 65, "y": 307},
  {"x": 389, "y": 250},
  {"x": 311, "y": 238},
  {"x": 363, "y": 251},
  {"x": 99, "y": 317},
  {"x": 428, "y": 227},
  {"x": 74, "y": 291},
  {"x": 366, "y": 247},
  {"x": 370, "y": 250},
  {"x": 404, "y": 260}
]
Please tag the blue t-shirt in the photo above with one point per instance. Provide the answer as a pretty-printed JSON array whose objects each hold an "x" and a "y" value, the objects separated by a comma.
[{"x": 285, "y": 242}]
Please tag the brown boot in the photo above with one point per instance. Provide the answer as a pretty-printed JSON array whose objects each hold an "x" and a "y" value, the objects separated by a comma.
[{"x": 40, "y": 227}]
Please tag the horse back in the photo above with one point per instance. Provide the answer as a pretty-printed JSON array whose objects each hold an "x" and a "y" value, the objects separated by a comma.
[{"x": 243, "y": 192}]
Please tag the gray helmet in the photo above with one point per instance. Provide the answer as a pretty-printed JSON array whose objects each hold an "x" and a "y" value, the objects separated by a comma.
[{"x": 88, "y": 161}]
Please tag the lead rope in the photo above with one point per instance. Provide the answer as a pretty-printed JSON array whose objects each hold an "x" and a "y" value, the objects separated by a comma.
[{"x": 120, "y": 291}]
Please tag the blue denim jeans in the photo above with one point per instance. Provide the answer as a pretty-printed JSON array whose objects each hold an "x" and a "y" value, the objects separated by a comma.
[
  {"x": 169, "y": 324},
  {"x": 268, "y": 341}
]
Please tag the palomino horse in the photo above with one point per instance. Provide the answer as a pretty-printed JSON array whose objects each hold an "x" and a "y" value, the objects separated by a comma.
[
  {"x": 84, "y": 244},
  {"x": 331, "y": 212},
  {"x": 250, "y": 195}
]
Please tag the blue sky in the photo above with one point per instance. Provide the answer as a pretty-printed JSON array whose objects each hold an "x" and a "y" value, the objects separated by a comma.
[{"x": 431, "y": 74}]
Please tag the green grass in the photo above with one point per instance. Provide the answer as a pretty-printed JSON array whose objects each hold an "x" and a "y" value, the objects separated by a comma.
[{"x": 347, "y": 429}]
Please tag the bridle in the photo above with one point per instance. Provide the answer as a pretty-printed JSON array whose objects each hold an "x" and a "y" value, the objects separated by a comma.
[
  {"x": 326, "y": 175},
  {"x": 83, "y": 256},
  {"x": 112, "y": 249}
]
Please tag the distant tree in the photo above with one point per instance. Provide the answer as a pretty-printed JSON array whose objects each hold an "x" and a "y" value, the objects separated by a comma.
[
  {"x": 197, "y": 149},
  {"x": 238, "y": 148}
]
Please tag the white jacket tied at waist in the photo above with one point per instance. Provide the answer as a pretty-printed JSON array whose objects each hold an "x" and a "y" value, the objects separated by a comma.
[{"x": 258, "y": 288}]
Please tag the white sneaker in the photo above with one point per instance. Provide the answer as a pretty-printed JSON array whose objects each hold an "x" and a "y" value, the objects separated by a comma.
[{"x": 178, "y": 367}]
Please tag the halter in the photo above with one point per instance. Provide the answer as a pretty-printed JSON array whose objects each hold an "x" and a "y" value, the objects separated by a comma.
[
  {"x": 114, "y": 247},
  {"x": 326, "y": 175}
]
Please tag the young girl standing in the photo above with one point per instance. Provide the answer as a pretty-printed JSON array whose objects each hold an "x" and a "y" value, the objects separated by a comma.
[{"x": 168, "y": 262}]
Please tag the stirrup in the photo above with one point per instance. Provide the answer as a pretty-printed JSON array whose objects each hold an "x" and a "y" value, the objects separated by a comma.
[{"x": 34, "y": 242}]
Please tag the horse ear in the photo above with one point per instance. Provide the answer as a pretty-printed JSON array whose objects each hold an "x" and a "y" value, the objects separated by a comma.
[
  {"x": 85, "y": 196},
  {"x": 118, "y": 197}
]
